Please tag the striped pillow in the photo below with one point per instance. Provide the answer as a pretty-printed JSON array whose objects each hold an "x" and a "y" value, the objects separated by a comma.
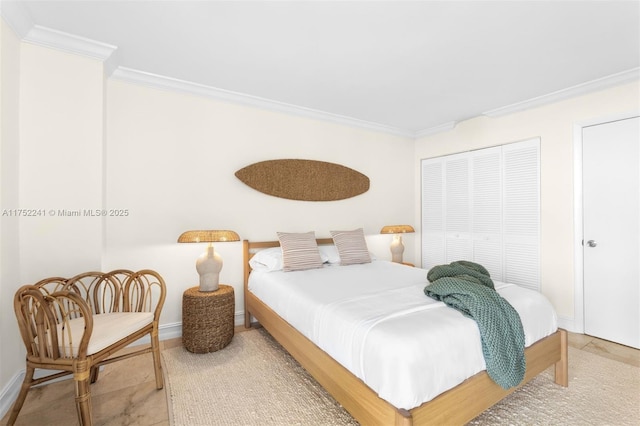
[
  {"x": 352, "y": 247},
  {"x": 299, "y": 251}
]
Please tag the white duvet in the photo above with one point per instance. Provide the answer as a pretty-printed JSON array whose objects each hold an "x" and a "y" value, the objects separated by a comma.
[{"x": 376, "y": 321}]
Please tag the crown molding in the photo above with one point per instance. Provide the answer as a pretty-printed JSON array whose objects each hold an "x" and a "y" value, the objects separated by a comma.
[
  {"x": 168, "y": 83},
  {"x": 69, "y": 42},
  {"x": 444, "y": 127},
  {"x": 16, "y": 15},
  {"x": 570, "y": 92}
]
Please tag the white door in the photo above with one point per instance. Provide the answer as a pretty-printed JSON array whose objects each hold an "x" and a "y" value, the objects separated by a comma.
[{"x": 611, "y": 246}]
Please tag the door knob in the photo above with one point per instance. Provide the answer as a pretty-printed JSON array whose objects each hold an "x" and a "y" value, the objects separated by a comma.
[{"x": 592, "y": 243}]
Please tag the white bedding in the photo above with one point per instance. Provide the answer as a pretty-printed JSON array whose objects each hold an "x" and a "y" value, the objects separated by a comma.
[{"x": 377, "y": 322}]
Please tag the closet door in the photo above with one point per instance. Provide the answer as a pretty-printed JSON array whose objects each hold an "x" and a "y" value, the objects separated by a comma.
[
  {"x": 521, "y": 232},
  {"x": 457, "y": 202},
  {"x": 432, "y": 213},
  {"x": 483, "y": 206},
  {"x": 486, "y": 190}
]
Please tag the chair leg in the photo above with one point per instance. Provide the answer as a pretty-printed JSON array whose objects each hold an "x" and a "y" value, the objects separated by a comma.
[
  {"x": 81, "y": 377},
  {"x": 24, "y": 389},
  {"x": 157, "y": 365},
  {"x": 95, "y": 371}
]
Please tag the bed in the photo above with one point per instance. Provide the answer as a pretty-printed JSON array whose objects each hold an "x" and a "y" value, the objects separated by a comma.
[{"x": 343, "y": 370}]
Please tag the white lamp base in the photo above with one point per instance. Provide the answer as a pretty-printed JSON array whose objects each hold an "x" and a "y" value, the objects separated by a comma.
[
  {"x": 397, "y": 248},
  {"x": 209, "y": 265}
]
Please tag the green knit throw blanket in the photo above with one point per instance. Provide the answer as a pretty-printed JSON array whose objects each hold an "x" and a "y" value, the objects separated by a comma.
[{"x": 468, "y": 288}]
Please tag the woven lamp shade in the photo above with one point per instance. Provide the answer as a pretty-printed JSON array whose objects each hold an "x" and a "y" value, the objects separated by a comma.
[
  {"x": 397, "y": 229},
  {"x": 207, "y": 236}
]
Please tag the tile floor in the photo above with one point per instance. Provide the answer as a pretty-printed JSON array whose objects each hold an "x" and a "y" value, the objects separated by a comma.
[{"x": 125, "y": 393}]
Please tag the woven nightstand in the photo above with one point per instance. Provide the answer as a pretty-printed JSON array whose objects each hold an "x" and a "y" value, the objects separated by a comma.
[{"x": 207, "y": 319}]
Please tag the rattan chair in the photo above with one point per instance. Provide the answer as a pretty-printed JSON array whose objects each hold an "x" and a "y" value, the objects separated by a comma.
[{"x": 75, "y": 325}]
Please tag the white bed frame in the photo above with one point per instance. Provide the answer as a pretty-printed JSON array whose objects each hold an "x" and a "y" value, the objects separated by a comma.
[{"x": 455, "y": 406}]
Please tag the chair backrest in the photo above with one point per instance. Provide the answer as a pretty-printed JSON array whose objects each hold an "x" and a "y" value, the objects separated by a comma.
[
  {"x": 51, "y": 285},
  {"x": 44, "y": 322},
  {"x": 103, "y": 292},
  {"x": 144, "y": 291},
  {"x": 120, "y": 290},
  {"x": 44, "y": 309}
]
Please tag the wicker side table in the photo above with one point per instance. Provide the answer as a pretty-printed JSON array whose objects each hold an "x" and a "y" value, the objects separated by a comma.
[{"x": 207, "y": 319}]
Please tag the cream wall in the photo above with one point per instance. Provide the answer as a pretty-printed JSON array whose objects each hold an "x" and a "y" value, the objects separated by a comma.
[
  {"x": 52, "y": 160},
  {"x": 11, "y": 354},
  {"x": 171, "y": 159},
  {"x": 555, "y": 125},
  {"x": 60, "y": 168}
]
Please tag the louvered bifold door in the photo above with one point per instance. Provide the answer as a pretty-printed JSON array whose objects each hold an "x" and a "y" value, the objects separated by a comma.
[
  {"x": 432, "y": 213},
  {"x": 521, "y": 163},
  {"x": 457, "y": 207},
  {"x": 484, "y": 206},
  {"x": 486, "y": 192}
]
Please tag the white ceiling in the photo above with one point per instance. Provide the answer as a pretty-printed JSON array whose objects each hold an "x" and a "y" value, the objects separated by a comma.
[{"x": 407, "y": 66}]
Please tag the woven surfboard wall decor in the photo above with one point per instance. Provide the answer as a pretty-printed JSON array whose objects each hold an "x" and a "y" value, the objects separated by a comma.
[{"x": 305, "y": 180}]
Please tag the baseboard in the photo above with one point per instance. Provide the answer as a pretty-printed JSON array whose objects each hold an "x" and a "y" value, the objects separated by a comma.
[
  {"x": 10, "y": 393},
  {"x": 569, "y": 324}
]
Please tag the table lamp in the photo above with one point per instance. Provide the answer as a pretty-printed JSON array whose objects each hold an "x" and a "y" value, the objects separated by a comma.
[
  {"x": 397, "y": 248},
  {"x": 209, "y": 264}
]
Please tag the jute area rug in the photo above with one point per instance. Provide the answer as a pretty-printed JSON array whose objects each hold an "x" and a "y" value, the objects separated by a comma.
[{"x": 253, "y": 381}]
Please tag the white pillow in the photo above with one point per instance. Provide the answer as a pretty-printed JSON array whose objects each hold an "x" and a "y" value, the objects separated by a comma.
[
  {"x": 268, "y": 259},
  {"x": 329, "y": 254}
]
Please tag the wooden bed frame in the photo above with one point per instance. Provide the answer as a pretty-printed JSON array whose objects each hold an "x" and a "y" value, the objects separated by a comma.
[{"x": 455, "y": 406}]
